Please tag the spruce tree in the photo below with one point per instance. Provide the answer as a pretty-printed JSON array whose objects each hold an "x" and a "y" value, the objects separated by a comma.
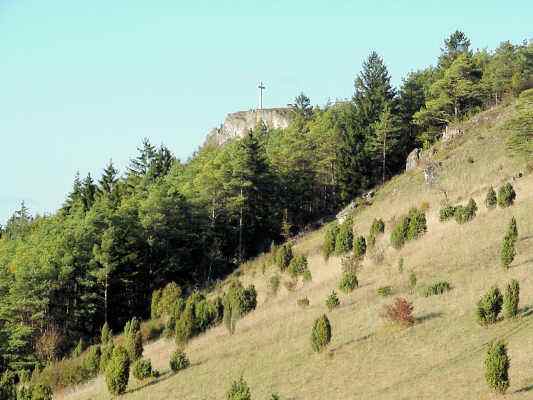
[{"x": 491, "y": 200}]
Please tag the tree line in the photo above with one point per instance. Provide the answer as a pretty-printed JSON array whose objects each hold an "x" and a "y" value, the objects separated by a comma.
[{"x": 116, "y": 240}]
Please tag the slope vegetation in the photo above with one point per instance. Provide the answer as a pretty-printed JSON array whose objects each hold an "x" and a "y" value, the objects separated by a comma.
[{"x": 441, "y": 356}]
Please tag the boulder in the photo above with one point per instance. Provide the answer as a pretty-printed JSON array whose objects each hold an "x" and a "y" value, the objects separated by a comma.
[
  {"x": 412, "y": 160},
  {"x": 450, "y": 133}
]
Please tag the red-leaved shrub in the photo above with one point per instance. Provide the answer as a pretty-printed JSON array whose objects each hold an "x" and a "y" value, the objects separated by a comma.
[{"x": 401, "y": 311}]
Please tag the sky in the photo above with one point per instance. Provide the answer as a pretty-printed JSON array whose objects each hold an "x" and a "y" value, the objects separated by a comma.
[{"x": 83, "y": 82}]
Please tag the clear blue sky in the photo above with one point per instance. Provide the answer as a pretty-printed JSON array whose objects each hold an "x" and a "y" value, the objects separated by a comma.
[{"x": 83, "y": 82}]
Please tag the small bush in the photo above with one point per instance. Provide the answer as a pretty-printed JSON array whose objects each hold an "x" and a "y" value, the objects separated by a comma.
[
  {"x": 298, "y": 266},
  {"x": 273, "y": 285},
  {"x": 417, "y": 224},
  {"x": 239, "y": 390},
  {"x": 133, "y": 339},
  {"x": 7, "y": 387},
  {"x": 284, "y": 256},
  {"x": 491, "y": 201},
  {"x": 384, "y": 291},
  {"x": 377, "y": 227},
  {"x": 344, "y": 238},
  {"x": 436, "y": 289},
  {"x": 497, "y": 367},
  {"x": 466, "y": 213},
  {"x": 489, "y": 307},
  {"x": 41, "y": 392},
  {"x": 359, "y": 247},
  {"x": 184, "y": 328},
  {"x": 238, "y": 301},
  {"x": 506, "y": 196},
  {"x": 508, "y": 250},
  {"x": 170, "y": 295},
  {"x": 179, "y": 361},
  {"x": 511, "y": 299},
  {"x": 118, "y": 371},
  {"x": 142, "y": 369},
  {"x": 306, "y": 276},
  {"x": 303, "y": 302},
  {"x": 412, "y": 281},
  {"x": 80, "y": 348},
  {"x": 332, "y": 301},
  {"x": 401, "y": 311},
  {"x": 446, "y": 213},
  {"x": 348, "y": 282},
  {"x": 91, "y": 362},
  {"x": 328, "y": 248},
  {"x": 398, "y": 235},
  {"x": 321, "y": 333}
]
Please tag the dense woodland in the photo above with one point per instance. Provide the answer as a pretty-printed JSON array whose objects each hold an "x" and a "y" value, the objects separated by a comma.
[{"x": 116, "y": 240}]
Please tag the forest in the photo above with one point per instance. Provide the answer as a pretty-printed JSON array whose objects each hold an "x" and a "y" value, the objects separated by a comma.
[{"x": 118, "y": 238}]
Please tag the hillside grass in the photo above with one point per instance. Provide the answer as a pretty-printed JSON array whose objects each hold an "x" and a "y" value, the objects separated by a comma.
[{"x": 440, "y": 357}]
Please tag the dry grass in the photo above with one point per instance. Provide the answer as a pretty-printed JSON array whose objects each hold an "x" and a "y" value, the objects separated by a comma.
[{"x": 440, "y": 357}]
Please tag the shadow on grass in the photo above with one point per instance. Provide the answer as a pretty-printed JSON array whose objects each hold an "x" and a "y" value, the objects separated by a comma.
[
  {"x": 530, "y": 261},
  {"x": 349, "y": 342},
  {"x": 525, "y": 389},
  {"x": 163, "y": 377},
  {"x": 526, "y": 311},
  {"x": 428, "y": 317}
]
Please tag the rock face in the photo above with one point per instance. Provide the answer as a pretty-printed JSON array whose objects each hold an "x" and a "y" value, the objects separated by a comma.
[
  {"x": 237, "y": 124},
  {"x": 412, "y": 160},
  {"x": 450, "y": 132}
]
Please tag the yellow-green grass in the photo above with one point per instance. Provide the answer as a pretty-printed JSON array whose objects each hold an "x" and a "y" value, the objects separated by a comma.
[{"x": 440, "y": 357}]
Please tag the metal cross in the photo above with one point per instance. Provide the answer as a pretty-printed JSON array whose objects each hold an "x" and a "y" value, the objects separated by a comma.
[{"x": 261, "y": 87}]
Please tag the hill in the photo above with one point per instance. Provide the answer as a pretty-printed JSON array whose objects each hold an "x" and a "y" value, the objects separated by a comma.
[{"x": 439, "y": 357}]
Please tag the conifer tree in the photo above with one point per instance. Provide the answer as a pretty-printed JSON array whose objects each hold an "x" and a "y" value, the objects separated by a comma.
[{"x": 497, "y": 365}]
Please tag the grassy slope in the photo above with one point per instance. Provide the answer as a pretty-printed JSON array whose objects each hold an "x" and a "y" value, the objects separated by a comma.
[{"x": 440, "y": 357}]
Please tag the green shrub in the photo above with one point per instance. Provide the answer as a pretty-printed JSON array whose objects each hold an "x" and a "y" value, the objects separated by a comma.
[
  {"x": 249, "y": 300},
  {"x": 377, "y": 227},
  {"x": 179, "y": 361},
  {"x": 184, "y": 328},
  {"x": 321, "y": 333},
  {"x": 384, "y": 291},
  {"x": 91, "y": 361},
  {"x": 491, "y": 201},
  {"x": 80, "y": 348},
  {"x": 344, "y": 239},
  {"x": 348, "y": 282},
  {"x": 238, "y": 301},
  {"x": 489, "y": 307},
  {"x": 284, "y": 256},
  {"x": 359, "y": 247},
  {"x": 466, "y": 213},
  {"x": 511, "y": 299},
  {"x": 328, "y": 247},
  {"x": 398, "y": 235},
  {"x": 298, "y": 266},
  {"x": 436, "y": 289},
  {"x": 41, "y": 392},
  {"x": 332, "y": 301},
  {"x": 118, "y": 371},
  {"x": 303, "y": 302},
  {"x": 106, "y": 335},
  {"x": 306, "y": 276},
  {"x": 142, "y": 369},
  {"x": 133, "y": 339},
  {"x": 506, "y": 196},
  {"x": 170, "y": 295},
  {"x": 446, "y": 213},
  {"x": 417, "y": 224},
  {"x": 497, "y": 367},
  {"x": 273, "y": 284},
  {"x": 7, "y": 387},
  {"x": 239, "y": 390},
  {"x": 508, "y": 250},
  {"x": 154, "y": 305}
]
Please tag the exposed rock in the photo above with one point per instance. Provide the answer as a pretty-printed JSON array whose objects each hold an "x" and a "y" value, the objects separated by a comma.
[
  {"x": 237, "y": 124},
  {"x": 345, "y": 212},
  {"x": 450, "y": 133},
  {"x": 431, "y": 172},
  {"x": 412, "y": 160}
]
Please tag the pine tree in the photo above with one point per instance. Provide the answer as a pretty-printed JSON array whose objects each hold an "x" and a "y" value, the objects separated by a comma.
[{"x": 454, "y": 45}]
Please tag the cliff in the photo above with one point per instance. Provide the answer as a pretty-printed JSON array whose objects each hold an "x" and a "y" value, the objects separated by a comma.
[{"x": 237, "y": 124}]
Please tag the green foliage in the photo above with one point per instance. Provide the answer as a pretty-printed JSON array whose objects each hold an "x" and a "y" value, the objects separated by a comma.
[
  {"x": 359, "y": 247},
  {"x": 446, "y": 213},
  {"x": 497, "y": 367},
  {"x": 239, "y": 390},
  {"x": 332, "y": 301},
  {"x": 179, "y": 361},
  {"x": 521, "y": 126},
  {"x": 238, "y": 301},
  {"x": 348, "y": 282},
  {"x": 118, "y": 371},
  {"x": 80, "y": 347},
  {"x": 106, "y": 335},
  {"x": 133, "y": 339},
  {"x": 410, "y": 227},
  {"x": 298, "y": 266},
  {"x": 377, "y": 227},
  {"x": 170, "y": 295},
  {"x": 384, "y": 291},
  {"x": 489, "y": 307},
  {"x": 328, "y": 247},
  {"x": 491, "y": 201},
  {"x": 41, "y": 392},
  {"x": 344, "y": 238},
  {"x": 321, "y": 333},
  {"x": 511, "y": 299},
  {"x": 184, "y": 328},
  {"x": 7, "y": 387},
  {"x": 508, "y": 250},
  {"x": 284, "y": 256},
  {"x": 142, "y": 369},
  {"x": 506, "y": 195},
  {"x": 155, "y": 311},
  {"x": 436, "y": 289},
  {"x": 466, "y": 213},
  {"x": 91, "y": 362}
]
